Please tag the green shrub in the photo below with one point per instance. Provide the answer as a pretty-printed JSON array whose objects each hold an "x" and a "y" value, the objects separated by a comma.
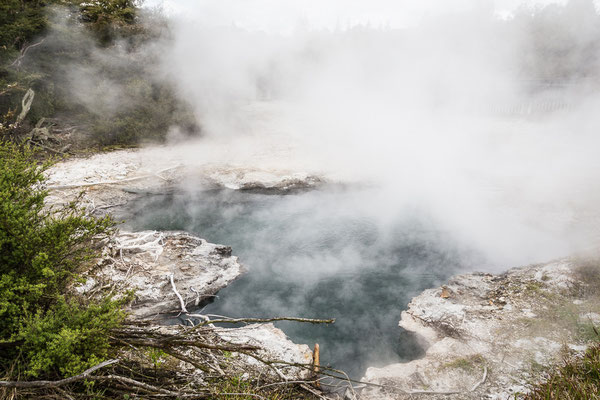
[
  {"x": 43, "y": 330},
  {"x": 68, "y": 338}
]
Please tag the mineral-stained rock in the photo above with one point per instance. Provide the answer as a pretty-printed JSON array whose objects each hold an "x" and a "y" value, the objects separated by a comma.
[
  {"x": 144, "y": 261},
  {"x": 492, "y": 336}
]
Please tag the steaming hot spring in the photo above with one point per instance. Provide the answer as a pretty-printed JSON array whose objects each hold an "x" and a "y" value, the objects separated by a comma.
[{"x": 315, "y": 254}]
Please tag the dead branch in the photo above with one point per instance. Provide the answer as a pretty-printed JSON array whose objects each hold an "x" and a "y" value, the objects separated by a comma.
[
  {"x": 215, "y": 365},
  {"x": 261, "y": 320},
  {"x": 46, "y": 147},
  {"x": 327, "y": 371},
  {"x": 167, "y": 342},
  {"x": 240, "y": 394},
  {"x": 201, "y": 348},
  {"x": 129, "y": 381},
  {"x": 307, "y": 381},
  {"x": 25, "y": 105},
  {"x": 200, "y": 316},
  {"x": 485, "y": 371},
  {"x": 52, "y": 384},
  {"x": 17, "y": 62},
  {"x": 312, "y": 391},
  {"x": 186, "y": 359},
  {"x": 181, "y": 302}
]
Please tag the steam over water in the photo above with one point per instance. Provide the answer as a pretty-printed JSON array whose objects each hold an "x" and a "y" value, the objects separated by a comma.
[
  {"x": 474, "y": 127},
  {"x": 308, "y": 256},
  {"x": 481, "y": 113}
]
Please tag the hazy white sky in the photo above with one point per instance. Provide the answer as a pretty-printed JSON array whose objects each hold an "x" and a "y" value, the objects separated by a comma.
[{"x": 287, "y": 15}]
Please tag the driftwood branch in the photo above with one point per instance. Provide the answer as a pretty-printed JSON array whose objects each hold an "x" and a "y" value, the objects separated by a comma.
[
  {"x": 46, "y": 147},
  {"x": 52, "y": 384}
]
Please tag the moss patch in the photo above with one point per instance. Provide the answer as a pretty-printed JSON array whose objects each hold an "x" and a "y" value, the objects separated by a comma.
[{"x": 468, "y": 364}]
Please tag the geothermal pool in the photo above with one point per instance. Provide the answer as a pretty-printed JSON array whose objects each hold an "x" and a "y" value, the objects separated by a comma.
[{"x": 318, "y": 254}]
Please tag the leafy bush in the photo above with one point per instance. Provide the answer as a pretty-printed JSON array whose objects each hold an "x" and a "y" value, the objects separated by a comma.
[
  {"x": 108, "y": 17},
  {"x": 68, "y": 338},
  {"x": 43, "y": 330}
]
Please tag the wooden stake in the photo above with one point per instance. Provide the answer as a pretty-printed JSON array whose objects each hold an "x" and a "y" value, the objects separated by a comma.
[{"x": 316, "y": 363}]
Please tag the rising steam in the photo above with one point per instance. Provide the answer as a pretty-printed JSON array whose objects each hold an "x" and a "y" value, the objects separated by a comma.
[{"x": 481, "y": 117}]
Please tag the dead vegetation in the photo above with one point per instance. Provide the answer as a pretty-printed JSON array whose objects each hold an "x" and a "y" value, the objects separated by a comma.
[
  {"x": 176, "y": 362},
  {"x": 152, "y": 360}
]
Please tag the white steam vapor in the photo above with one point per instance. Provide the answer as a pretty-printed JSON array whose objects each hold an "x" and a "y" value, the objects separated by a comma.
[{"x": 482, "y": 117}]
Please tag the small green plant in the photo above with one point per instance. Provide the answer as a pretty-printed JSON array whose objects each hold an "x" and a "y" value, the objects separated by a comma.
[
  {"x": 533, "y": 286},
  {"x": 157, "y": 356}
]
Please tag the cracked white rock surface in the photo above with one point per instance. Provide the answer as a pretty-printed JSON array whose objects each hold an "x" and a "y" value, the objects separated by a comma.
[{"x": 200, "y": 270}]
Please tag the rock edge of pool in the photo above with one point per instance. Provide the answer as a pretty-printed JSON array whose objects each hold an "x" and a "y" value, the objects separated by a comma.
[{"x": 484, "y": 335}]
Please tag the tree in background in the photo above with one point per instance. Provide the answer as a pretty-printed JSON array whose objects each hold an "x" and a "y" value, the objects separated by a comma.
[{"x": 93, "y": 65}]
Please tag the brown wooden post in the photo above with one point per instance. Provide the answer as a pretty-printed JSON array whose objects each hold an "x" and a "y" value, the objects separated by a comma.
[{"x": 316, "y": 363}]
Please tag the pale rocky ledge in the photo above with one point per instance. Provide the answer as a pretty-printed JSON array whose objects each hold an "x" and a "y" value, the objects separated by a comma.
[
  {"x": 486, "y": 336},
  {"x": 112, "y": 179},
  {"x": 159, "y": 266}
]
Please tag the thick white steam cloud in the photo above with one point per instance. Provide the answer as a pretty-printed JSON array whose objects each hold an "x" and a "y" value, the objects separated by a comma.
[{"x": 482, "y": 117}]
